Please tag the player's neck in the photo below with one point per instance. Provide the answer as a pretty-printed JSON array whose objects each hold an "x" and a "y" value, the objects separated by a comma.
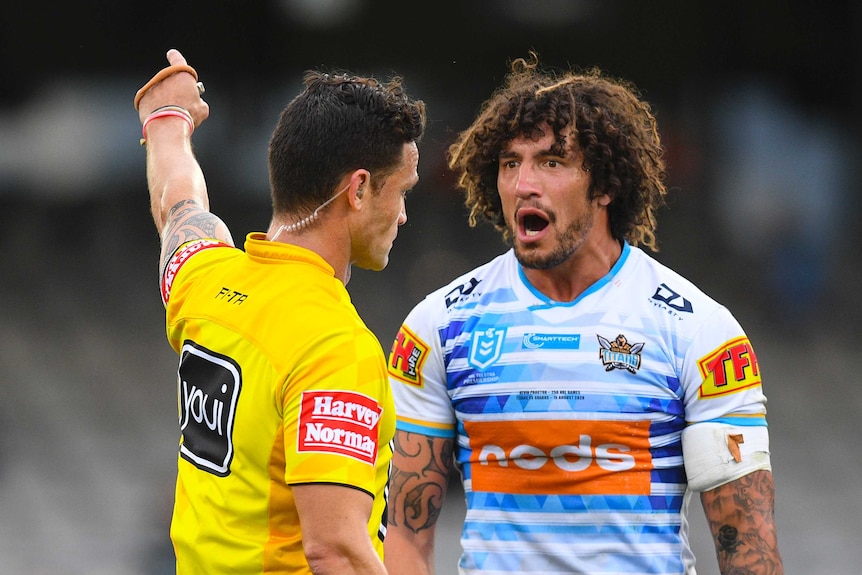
[
  {"x": 324, "y": 237},
  {"x": 566, "y": 281}
]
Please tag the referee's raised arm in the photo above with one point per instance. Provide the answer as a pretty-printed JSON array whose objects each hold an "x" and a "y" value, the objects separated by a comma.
[{"x": 170, "y": 107}]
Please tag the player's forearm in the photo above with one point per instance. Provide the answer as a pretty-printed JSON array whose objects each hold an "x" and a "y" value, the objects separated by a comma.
[
  {"x": 341, "y": 547},
  {"x": 334, "y": 521},
  {"x": 173, "y": 173},
  {"x": 347, "y": 562},
  {"x": 742, "y": 521},
  {"x": 409, "y": 553}
]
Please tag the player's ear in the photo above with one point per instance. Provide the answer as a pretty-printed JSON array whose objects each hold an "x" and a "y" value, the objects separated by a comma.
[{"x": 360, "y": 182}]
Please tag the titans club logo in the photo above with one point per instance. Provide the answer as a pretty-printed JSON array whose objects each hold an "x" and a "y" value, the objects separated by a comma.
[{"x": 620, "y": 354}]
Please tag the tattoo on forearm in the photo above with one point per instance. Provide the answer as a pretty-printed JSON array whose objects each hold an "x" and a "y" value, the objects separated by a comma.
[
  {"x": 420, "y": 483},
  {"x": 728, "y": 539},
  {"x": 205, "y": 222},
  {"x": 741, "y": 518},
  {"x": 187, "y": 204},
  {"x": 188, "y": 220},
  {"x": 422, "y": 506}
]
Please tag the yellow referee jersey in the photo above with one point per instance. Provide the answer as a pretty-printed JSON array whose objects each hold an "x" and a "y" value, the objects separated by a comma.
[{"x": 279, "y": 382}]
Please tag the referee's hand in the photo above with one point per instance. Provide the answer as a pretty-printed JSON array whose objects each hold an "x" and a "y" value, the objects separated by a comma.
[{"x": 176, "y": 85}]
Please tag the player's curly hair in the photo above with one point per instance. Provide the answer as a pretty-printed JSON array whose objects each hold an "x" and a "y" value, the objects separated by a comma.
[{"x": 614, "y": 129}]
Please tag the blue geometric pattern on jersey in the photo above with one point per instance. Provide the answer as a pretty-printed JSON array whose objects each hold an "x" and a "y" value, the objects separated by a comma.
[
  {"x": 672, "y": 450},
  {"x": 670, "y": 475},
  {"x": 674, "y": 385},
  {"x": 517, "y": 532},
  {"x": 590, "y": 541},
  {"x": 552, "y": 561},
  {"x": 598, "y": 404},
  {"x": 572, "y": 503}
]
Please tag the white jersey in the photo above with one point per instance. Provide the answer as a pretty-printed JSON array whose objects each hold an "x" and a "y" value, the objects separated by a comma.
[{"x": 567, "y": 416}]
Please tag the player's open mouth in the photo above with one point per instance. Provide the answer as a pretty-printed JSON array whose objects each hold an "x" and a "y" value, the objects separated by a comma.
[{"x": 531, "y": 223}]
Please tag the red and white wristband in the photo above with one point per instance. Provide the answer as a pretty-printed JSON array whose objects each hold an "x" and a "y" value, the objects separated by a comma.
[{"x": 167, "y": 112}]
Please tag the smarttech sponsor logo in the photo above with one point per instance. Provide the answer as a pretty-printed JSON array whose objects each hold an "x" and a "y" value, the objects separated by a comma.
[
  {"x": 342, "y": 422},
  {"x": 551, "y": 340}
]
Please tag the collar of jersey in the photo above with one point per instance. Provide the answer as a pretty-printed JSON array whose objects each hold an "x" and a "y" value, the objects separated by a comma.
[
  {"x": 593, "y": 288},
  {"x": 256, "y": 245}
]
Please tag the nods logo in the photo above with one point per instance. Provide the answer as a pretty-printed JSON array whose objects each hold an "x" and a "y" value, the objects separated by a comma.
[
  {"x": 559, "y": 457},
  {"x": 208, "y": 390}
]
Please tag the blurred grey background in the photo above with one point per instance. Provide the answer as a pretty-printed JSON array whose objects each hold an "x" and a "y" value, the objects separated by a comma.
[{"x": 759, "y": 107}]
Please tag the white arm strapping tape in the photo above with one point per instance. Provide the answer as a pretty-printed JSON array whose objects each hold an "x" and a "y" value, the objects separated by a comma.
[{"x": 709, "y": 461}]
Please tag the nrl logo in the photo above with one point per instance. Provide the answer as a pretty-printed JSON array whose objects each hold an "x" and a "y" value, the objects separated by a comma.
[
  {"x": 487, "y": 347},
  {"x": 620, "y": 354}
]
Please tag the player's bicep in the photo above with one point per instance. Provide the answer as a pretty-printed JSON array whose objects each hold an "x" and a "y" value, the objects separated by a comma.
[
  {"x": 421, "y": 467},
  {"x": 187, "y": 221}
]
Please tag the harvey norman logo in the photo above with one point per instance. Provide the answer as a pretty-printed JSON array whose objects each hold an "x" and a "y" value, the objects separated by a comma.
[{"x": 341, "y": 422}]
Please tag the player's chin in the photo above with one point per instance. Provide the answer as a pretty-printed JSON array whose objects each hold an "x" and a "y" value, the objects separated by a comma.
[
  {"x": 532, "y": 258},
  {"x": 375, "y": 263}
]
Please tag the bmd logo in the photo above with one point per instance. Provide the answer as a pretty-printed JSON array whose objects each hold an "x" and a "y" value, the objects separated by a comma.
[{"x": 672, "y": 299}]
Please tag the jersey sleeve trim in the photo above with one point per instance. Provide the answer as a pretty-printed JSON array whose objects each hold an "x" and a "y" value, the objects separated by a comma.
[
  {"x": 742, "y": 420},
  {"x": 179, "y": 258},
  {"x": 335, "y": 483},
  {"x": 424, "y": 427}
]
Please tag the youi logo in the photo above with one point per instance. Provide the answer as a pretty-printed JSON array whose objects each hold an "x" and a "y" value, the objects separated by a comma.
[{"x": 208, "y": 390}]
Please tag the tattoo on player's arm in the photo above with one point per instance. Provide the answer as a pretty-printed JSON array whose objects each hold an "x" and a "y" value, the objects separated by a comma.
[
  {"x": 728, "y": 539},
  {"x": 741, "y": 518},
  {"x": 186, "y": 221},
  {"x": 419, "y": 484},
  {"x": 185, "y": 205}
]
